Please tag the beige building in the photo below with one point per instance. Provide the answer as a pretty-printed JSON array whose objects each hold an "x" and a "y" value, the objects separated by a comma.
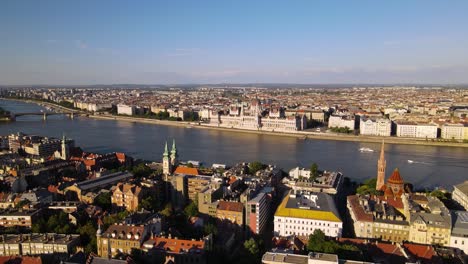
[
  {"x": 341, "y": 121},
  {"x": 415, "y": 130},
  {"x": 120, "y": 238},
  {"x": 452, "y": 131},
  {"x": 375, "y": 126},
  {"x": 207, "y": 200},
  {"x": 460, "y": 194},
  {"x": 14, "y": 217},
  {"x": 35, "y": 244},
  {"x": 127, "y": 195}
]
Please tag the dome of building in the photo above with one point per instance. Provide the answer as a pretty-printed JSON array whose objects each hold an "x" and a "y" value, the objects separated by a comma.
[{"x": 395, "y": 178}]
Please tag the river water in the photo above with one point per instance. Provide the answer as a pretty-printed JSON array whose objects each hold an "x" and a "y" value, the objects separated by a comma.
[{"x": 432, "y": 166}]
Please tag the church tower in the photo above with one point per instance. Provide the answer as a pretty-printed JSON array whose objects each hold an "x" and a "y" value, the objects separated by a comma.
[
  {"x": 174, "y": 155},
  {"x": 65, "y": 150},
  {"x": 381, "y": 165},
  {"x": 166, "y": 162}
]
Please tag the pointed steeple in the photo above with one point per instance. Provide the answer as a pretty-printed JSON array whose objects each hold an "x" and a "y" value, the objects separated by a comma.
[
  {"x": 381, "y": 165},
  {"x": 166, "y": 151},
  {"x": 174, "y": 149}
]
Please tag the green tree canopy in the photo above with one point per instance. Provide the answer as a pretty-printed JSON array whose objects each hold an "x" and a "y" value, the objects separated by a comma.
[
  {"x": 256, "y": 166},
  {"x": 191, "y": 210},
  {"x": 252, "y": 247}
]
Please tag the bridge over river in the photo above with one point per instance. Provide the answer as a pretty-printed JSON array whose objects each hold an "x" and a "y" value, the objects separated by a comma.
[{"x": 44, "y": 114}]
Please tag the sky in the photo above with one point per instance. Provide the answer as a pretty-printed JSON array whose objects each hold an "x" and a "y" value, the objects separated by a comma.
[{"x": 197, "y": 41}]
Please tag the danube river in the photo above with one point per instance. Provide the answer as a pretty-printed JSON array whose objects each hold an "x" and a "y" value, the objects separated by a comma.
[{"x": 432, "y": 165}]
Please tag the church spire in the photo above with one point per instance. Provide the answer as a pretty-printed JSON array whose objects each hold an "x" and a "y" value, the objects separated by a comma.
[
  {"x": 166, "y": 152},
  {"x": 381, "y": 165},
  {"x": 174, "y": 149}
]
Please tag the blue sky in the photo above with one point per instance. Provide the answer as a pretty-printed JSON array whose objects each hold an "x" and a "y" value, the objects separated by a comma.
[{"x": 161, "y": 42}]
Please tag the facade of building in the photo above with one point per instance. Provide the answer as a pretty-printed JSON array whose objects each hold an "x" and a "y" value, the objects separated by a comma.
[
  {"x": 415, "y": 130},
  {"x": 452, "y": 131},
  {"x": 127, "y": 196},
  {"x": 16, "y": 217},
  {"x": 230, "y": 213},
  {"x": 302, "y": 213},
  {"x": 36, "y": 244},
  {"x": 341, "y": 122},
  {"x": 257, "y": 213},
  {"x": 459, "y": 233},
  {"x": 375, "y": 126},
  {"x": 460, "y": 194},
  {"x": 178, "y": 250},
  {"x": 126, "y": 109}
]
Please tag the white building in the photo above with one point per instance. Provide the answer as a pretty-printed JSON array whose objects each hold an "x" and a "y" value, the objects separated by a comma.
[
  {"x": 290, "y": 123},
  {"x": 125, "y": 109},
  {"x": 452, "y": 131},
  {"x": 341, "y": 121},
  {"x": 375, "y": 127},
  {"x": 301, "y": 214},
  {"x": 94, "y": 107},
  {"x": 460, "y": 194},
  {"x": 459, "y": 235},
  {"x": 297, "y": 172},
  {"x": 415, "y": 130}
]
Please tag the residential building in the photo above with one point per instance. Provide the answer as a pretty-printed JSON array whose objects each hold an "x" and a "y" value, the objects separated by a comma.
[
  {"x": 36, "y": 244},
  {"x": 126, "y": 195},
  {"x": 302, "y": 213},
  {"x": 126, "y": 109},
  {"x": 452, "y": 131},
  {"x": 459, "y": 234},
  {"x": 184, "y": 251},
  {"x": 257, "y": 213},
  {"x": 19, "y": 217},
  {"x": 329, "y": 182},
  {"x": 207, "y": 200},
  {"x": 122, "y": 238},
  {"x": 460, "y": 194},
  {"x": 375, "y": 126},
  {"x": 341, "y": 121},
  {"x": 415, "y": 130},
  {"x": 311, "y": 258},
  {"x": 230, "y": 214}
]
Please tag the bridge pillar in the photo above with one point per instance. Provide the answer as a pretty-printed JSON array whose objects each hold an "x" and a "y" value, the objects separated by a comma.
[
  {"x": 44, "y": 117},
  {"x": 71, "y": 115}
]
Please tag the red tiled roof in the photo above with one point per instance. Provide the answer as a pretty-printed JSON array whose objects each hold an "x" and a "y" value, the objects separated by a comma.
[
  {"x": 20, "y": 260},
  {"x": 358, "y": 210},
  {"x": 186, "y": 170},
  {"x": 177, "y": 245},
  {"x": 395, "y": 178},
  {"x": 230, "y": 206},
  {"x": 420, "y": 251}
]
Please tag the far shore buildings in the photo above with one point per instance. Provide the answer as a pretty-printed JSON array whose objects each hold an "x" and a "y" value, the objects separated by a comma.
[
  {"x": 301, "y": 213},
  {"x": 342, "y": 121},
  {"x": 415, "y": 130},
  {"x": 375, "y": 126}
]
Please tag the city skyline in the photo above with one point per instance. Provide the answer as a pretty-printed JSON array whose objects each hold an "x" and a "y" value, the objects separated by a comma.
[{"x": 109, "y": 42}]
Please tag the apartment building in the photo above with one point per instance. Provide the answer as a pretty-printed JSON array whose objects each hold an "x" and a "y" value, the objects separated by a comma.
[
  {"x": 257, "y": 213},
  {"x": 452, "y": 131},
  {"x": 127, "y": 196},
  {"x": 375, "y": 126},
  {"x": 18, "y": 217},
  {"x": 36, "y": 244},
  {"x": 459, "y": 233},
  {"x": 460, "y": 194},
  {"x": 126, "y": 109},
  {"x": 341, "y": 121},
  {"x": 415, "y": 130},
  {"x": 302, "y": 213}
]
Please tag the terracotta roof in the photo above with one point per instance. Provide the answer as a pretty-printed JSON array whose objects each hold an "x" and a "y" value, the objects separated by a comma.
[
  {"x": 423, "y": 252},
  {"x": 230, "y": 206},
  {"x": 176, "y": 245},
  {"x": 358, "y": 210},
  {"x": 124, "y": 230},
  {"x": 395, "y": 178},
  {"x": 186, "y": 170},
  {"x": 20, "y": 260}
]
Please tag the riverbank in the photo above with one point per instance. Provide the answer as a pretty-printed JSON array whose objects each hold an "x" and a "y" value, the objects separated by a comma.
[{"x": 303, "y": 135}]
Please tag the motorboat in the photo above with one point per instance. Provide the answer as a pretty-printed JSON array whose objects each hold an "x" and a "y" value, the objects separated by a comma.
[
  {"x": 366, "y": 150},
  {"x": 410, "y": 161}
]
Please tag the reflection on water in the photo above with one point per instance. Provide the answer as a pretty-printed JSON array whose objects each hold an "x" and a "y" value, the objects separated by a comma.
[{"x": 433, "y": 165}]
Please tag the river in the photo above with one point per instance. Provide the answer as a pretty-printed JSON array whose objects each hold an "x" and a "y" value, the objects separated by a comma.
[{"x": 432, "y": 166}]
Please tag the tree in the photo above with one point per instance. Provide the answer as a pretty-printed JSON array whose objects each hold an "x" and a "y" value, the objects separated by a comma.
[
  {"x": 316, "y": 240},
  {"x": 256, "y": 166},
  {"x": 252, "y": 247},
  {"x": 103, "y": 200},
  {"x": 210, "y": 228},
  {"x": 141, "y": 170},
  {"x": 314, "y": 171},
  {"x": 368, "y": 187},
  {"x": 191, "y": 210},
  {"x": 167, "y": 211}
]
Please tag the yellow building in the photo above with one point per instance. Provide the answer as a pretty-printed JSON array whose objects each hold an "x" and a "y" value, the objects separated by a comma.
[
  {"x": 127, "y": 195},
  {"x": 119, "y": 239}
]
